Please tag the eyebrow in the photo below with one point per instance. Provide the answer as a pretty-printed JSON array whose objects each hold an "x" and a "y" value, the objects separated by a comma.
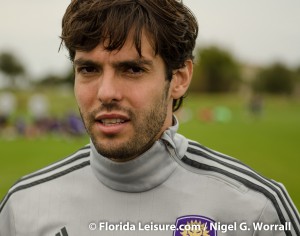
[
  {"x": 85, "y": 62},
  {"x": 126, "y": 63},
  {"x": 133, "y": 63}
]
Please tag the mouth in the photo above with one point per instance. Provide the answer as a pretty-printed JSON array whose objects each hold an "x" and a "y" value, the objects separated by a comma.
[{"x": 111, "y": 122}]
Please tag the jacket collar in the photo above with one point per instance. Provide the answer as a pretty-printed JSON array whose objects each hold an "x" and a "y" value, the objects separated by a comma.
[{"x": 143, "y": 173}]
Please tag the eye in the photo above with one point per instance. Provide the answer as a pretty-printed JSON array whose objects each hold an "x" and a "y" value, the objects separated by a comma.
[
  {"x": 86, "y": 69},
  {"x": 135, "y": 70}
]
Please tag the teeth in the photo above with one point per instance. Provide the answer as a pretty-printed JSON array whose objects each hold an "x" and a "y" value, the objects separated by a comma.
[{"x": 112, "y": 121}]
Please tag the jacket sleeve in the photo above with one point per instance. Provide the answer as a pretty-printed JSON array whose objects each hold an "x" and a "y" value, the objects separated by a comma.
[
  {"x": 7, "y": 224},
  {"x": 281, "y": 217}
]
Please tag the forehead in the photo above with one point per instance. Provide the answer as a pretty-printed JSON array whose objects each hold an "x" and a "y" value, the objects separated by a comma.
[{"x": 127, "y": 51}]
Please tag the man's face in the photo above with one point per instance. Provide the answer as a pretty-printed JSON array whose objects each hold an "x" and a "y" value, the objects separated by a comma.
[{"x": 123, "y": 98}]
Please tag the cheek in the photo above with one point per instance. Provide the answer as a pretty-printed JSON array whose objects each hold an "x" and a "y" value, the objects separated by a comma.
[
  {"x": 148, "y": 99},
  {"x": 137, "y": 100},
  {"x": 84, "y": 96},
  {"x": 142, "y": 97}
]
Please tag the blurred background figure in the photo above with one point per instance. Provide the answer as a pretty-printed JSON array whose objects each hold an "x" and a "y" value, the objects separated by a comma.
[
  {"x": 7, "y": 108},
  {"x": 73, "y": 124},
  {"x": 38, "y": 109},
  {"x": 222, "y": 114},
  {"x": 38, "y": 106},
  {"x": 255, "y": 106},
  {"x": 7, "y": 105}
]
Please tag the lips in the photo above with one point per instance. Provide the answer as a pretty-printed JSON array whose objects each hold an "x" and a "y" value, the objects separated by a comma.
[
  {"x": 112, "y": 118},
  {"x": 112, "y": 124},
  {"x": 109, "y": 122}
]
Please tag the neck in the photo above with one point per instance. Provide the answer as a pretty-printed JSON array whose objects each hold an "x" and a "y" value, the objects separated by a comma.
[{"x": 142, "y": 173}]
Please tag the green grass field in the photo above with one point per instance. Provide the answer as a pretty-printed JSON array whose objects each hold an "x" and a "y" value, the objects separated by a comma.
[{"x": 269, "y": 144}]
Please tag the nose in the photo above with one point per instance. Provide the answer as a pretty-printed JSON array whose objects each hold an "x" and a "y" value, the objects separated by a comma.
[{"x": 109, "y": 89}]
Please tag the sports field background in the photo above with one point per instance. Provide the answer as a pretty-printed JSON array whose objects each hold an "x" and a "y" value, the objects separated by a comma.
[{"x": 269, "y": 143}]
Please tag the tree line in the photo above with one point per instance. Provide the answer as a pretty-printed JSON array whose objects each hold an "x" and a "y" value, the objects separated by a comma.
[{"x": 216, "y": 70}]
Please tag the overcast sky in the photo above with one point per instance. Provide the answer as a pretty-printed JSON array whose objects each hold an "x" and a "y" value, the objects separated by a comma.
[{"x": 256, "y": 31}]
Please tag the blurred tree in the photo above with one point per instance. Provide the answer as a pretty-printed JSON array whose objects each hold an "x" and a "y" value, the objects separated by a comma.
[
  {"x": 11, "y": 67},
  {"x": 297, "y": 73},
  {"x": 57, "y": 80},
  {"x": 50, "y": 80},
  {"x": 297, "y": 81},
  {"x": 275, "y": 79},
  {"x": 215, "y": 71}
]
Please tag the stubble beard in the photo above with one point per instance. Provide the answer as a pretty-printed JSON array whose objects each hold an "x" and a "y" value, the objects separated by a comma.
[{"x": 147, "y": 127}]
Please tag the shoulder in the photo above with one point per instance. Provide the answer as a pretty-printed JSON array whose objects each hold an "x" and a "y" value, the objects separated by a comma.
[
  {"x": 70, "y": 164},
  {"x": 201, "y": 159}
]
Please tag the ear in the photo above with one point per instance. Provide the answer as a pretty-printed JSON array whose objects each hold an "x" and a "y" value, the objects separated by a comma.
[{"x": 181, "y": 80}]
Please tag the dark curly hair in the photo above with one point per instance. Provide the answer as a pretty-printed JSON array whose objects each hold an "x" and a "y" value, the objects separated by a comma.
[{"x": 170, "y": 26}]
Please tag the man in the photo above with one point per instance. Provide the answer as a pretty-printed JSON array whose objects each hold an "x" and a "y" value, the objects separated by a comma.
[{"x": 138, "y": 176}]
